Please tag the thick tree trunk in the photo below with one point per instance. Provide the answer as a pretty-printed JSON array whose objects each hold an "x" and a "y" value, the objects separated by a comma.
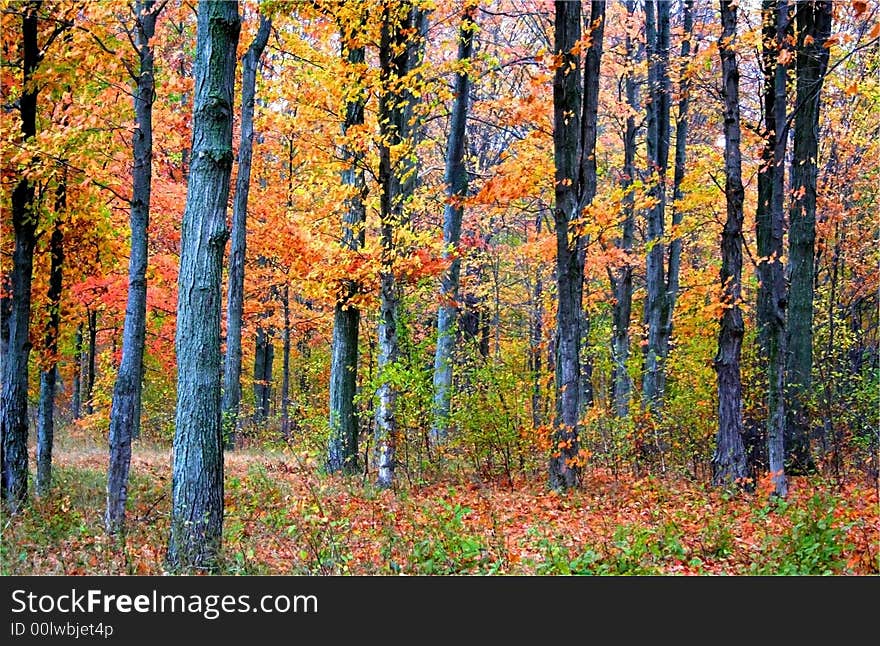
[
  {"x": 729, "y": 461},
  {"x": 769, "y": 228},
  {"x": 197, "y": 477},
  {"x": 567, "y": 101},
  {"x": 814, "y": 22},
  {"x": 13, "y": 401},
  {"x": 238, "y": 238},
  {"x": 126, "y": 407},
  {"x": 621, "y": 279},
  {"x": 574, "y": 141},
  {"x": 395, "y": 57},
  {"x": 456, "y": 191},
  {"x": 342, "y": 447},
  {"x": 49, "y": 372},
  {"x": 657, "y": 35}
]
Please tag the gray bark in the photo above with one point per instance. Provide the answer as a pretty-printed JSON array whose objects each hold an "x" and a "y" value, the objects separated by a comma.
[
  {"x": 264, "y": 357},
  {"x": 574, "y": 139},
  {"x": 13, "y": 402},
  {"x": 769, "y": 225},
  {"x": 126, "y": 407},
  {"x": 657, "y": 35},
  {"x": 342, "y": 447},
  {"x": 813, "y": 20},
  {"x": 197, "y": 476},
  {"x": 238, "y": 238},
  {"x": 729, "y": 461},
  {"x": 621, "y": 279},
  {"x": 567, "y": 99},
  {"x": 49, "y": 372},
  {"x": 395, "y": 58},
  {"x": 456, "y": 191},
  {"x": 681, "y": 135}
]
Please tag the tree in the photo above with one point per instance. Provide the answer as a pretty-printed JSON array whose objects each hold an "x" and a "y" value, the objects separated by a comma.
[
  {"x": 238, "y": 242},
  {"x": 13, "y": 401},
  {"x": 657, "y": 36},
  {"x": 729, "y": 461},
  {"x": 197, "y": 477},
  {"x": 49, "y": 372},
  {"x": 813, "y": 26},
  {"x": 575, "y": 108},
  {"x": 622, "y": 278},
  {"x": 342, "y": 447},
  {"x": 456, "y": 191},
  {"x": 769, "y": 226},
  {"x": 399, "y": 24},
  {"x": 126, "y": 411}
]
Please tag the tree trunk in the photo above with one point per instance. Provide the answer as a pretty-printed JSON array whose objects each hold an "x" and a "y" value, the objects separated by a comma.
[
  {"x": 92, "y": 320},
  {"x": 126, "y": 407},
  {"x": 395, "y": 57},
  {"x": 49, "y": 372},
  {"x": 814, "y": 21},
  {"x": 264, "y": 357},
  {"x": 14, "y": 402},
  {"x": 238, "y": 238},
  {"x": 621, "y": 279},
  {"x": 285, "y": 365},
  {"x": 76, "y": 396},
  {"x": 574, "y": 139},
  {"x": 456, "y": 191},
  {"x": 342, "y": 448},
  {"x": 769, "y": 228},
  {"x": 681, "y": 135},
  {"x": 567, "y": 100},
  {"x": 729, "y": 461},
  {"x": 197, "y": 477},
  {"x": 657, "y": 36}
]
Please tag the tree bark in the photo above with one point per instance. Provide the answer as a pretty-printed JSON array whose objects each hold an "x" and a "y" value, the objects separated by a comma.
[
  {"x": 574, "y": 132},
  {"x": 657, "y": 36},
  {"x": 126, "y": 407},
  {"x": 456, "y": 191},
  {"x": 197, "y": 476},
  {"x": 13, "y": 402},
  {"x": 621, "y": 279},
  {"x": 49, "y": 372},
  {"x": 814, "y": 21},
  {"x": 342, "y": 448},
  {"x": 285, "y": 364},
  {"x": 238, "y": 238},
  {"x": 92, "y": 321},
  {"x": 264, "y": 357},
  {"x": 729, "y": 461},
  {"x": 681, "y": 135},
  {"x": 76, "y": 396},
  {"x": 395, "y": 58},
  {"x": 769, "y": 228}
]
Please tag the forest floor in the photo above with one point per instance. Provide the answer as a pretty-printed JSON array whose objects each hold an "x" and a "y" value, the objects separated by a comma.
[{"x": 283, "y": 516}]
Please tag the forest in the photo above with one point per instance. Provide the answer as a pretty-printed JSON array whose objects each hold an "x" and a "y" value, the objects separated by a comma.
[{"x": 380, "y": 287}]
